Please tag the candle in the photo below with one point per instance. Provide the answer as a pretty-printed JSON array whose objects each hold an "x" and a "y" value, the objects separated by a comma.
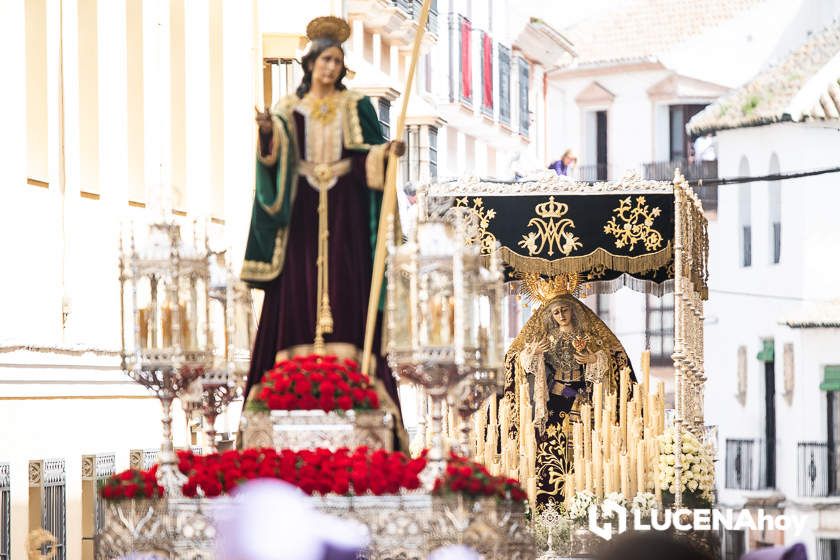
[
  {"x": 587, "y": 433},
  {"x": 641, "y": 482},
  {"x": 608, "y": 486},
  {"x": 657, "y": 486},
  {"x": 622, "y": 404},
  {"x": 625, "y": 476},
  {"x": 597, "y": 404},
  {"x": 660, "y": 391},
  {"x": 646, "y": 367},
  {"x": 577, "y": 442},
  {"x": 569, "y": 490},
  {"x": 597, "y": 466},
  {"x": 532, "y": 492},
  {"x": 587, "y": 473}
]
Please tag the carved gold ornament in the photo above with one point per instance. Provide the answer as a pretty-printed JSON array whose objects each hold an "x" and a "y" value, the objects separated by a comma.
[
  {"x": 552, "y": 229},
  {"x": 485, "y": 239},
  {"x": 636, "y": 224},
  {"x": 323, "y": 109}
]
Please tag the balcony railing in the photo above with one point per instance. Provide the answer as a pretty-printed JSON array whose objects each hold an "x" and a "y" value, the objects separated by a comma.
[
  {"x": 413, "y": 8},
  {"x": 746, "y": 464},
  {"x": 590, "y": 173},
  {"x": 693, "y": 171},
  {"x": 817, "y": 470}
]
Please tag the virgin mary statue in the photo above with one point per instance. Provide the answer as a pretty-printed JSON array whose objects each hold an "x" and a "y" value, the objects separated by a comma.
[
  {"x": 552, "y": 364},
  {"x": 320, "y": 172}
]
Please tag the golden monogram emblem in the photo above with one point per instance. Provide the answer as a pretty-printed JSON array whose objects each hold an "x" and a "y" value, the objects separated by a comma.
[
  {"x": 636, "y": 225},
  {"x": 552, "y": 230}
]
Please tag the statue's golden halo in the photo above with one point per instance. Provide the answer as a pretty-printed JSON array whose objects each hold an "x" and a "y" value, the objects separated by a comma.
[{"x": 328, "y": 27}]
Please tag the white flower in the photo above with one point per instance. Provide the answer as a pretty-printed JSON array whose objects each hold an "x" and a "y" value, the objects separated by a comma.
[
  {"x": 581, "y": 503},
  {"x": 613, "y": 498},
  {"x": 644, "y": 503}
]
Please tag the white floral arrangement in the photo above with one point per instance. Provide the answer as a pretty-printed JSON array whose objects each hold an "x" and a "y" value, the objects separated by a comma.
[
  {"x": 644, "y": 503},
  {"x": 581, "y": 502},
  {"x": 697, "y": 476},
  {"x": 613, "y": 499}
]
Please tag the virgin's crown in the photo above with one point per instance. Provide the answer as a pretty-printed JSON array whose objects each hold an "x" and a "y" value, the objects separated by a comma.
[{"x": 551, "y": 209}]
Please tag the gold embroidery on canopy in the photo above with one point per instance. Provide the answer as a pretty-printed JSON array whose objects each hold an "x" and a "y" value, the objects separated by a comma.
[{"x": 636, "y": 225}]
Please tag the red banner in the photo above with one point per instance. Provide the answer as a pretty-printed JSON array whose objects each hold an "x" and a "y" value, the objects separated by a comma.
[
  {"x": 466, "y": 66},
  {"x": 487, "y": 72}
]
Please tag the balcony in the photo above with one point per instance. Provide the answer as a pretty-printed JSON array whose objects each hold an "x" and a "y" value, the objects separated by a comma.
[
  {"x": 746, "y": 465},
  {"x": 413, "y": 8},
  {"x": 816, "y": 470},
  {"x": 693, "y": 171}
]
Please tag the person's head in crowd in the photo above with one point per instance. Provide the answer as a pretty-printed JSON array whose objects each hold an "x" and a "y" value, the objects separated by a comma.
[
  {"x": 272, "y": 520},
  {"x": 652, "y": 545}
]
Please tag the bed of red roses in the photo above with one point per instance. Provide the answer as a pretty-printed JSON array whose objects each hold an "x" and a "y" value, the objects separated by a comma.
[
  {"x": 343, "y": 472},
  {"x": 466, "y": 477},
  {"x": 132, "y": 483},
  {"x": 316, "y": 383}
]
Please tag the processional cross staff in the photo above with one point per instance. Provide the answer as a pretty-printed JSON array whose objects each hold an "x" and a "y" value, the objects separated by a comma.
[{"x": 389, "y": 196}]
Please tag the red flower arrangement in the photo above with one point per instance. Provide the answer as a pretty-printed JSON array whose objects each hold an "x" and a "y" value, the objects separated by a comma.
[
  {"x": 132, "y": 483},
  {"x": 317, "y": 471},
  {"x": 463, "y": 476},
  {"x": 316, "y": 383}
]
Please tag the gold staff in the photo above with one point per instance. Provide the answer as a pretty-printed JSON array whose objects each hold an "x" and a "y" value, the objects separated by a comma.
[{"x": 389, "y": 197}]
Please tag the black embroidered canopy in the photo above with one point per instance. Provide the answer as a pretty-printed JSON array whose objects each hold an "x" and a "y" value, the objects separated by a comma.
[{"x": 612, "y": 234}]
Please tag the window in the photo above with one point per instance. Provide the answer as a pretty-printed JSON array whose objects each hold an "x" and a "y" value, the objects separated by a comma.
[
  {"x": 659, "y": 328},
  {"x": 601, "y": 145},
  {"x": 504, "y": 85},
  {"x": 524, "y": 111},
  {"x": 774, "y": 197},
  {"x": 600, "y": 304},
  {"x": 744, "y": 214},
  {"x": 680, "y": 143},
  {"x": 433, "y": 153},
  {"x": 36, "y": 92},
  {"x": 746, "y": 246},
  {"x": 427, "y": 69},
  {"x": 486, "y": 74},
  {"x": 828, "y": 549},
  {"x": 385, "y": 117}
]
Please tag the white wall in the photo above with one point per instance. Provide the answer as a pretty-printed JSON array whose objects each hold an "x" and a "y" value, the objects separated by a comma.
[{"x": 746, "y": 304}]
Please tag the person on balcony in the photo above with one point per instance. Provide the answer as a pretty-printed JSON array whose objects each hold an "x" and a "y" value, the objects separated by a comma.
[{"x": 566, "y": 164}]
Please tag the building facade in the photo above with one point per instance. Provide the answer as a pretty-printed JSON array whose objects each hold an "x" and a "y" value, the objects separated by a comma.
[
  {"x": 773, "y": 331},
  {"x": 122, "y": 108}
]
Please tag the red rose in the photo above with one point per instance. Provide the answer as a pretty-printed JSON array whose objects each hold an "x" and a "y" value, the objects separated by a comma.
[
  {"x": 275, "y": 402},
  {"x": 130, "y": 490},
  {"x": 303, "y": 387},
  {"x": 344, "y": 402}
]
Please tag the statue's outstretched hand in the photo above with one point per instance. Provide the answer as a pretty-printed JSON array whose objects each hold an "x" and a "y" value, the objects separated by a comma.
[
  {"x": 543, "y": 345},
  {"x": 263, "y": 119},
  {"x": 586, "y": 358},
  {"x": 397, "y": 147}
]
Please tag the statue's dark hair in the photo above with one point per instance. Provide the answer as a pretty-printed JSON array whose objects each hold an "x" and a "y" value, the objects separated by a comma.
[{"x": 317, "y": 47}]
